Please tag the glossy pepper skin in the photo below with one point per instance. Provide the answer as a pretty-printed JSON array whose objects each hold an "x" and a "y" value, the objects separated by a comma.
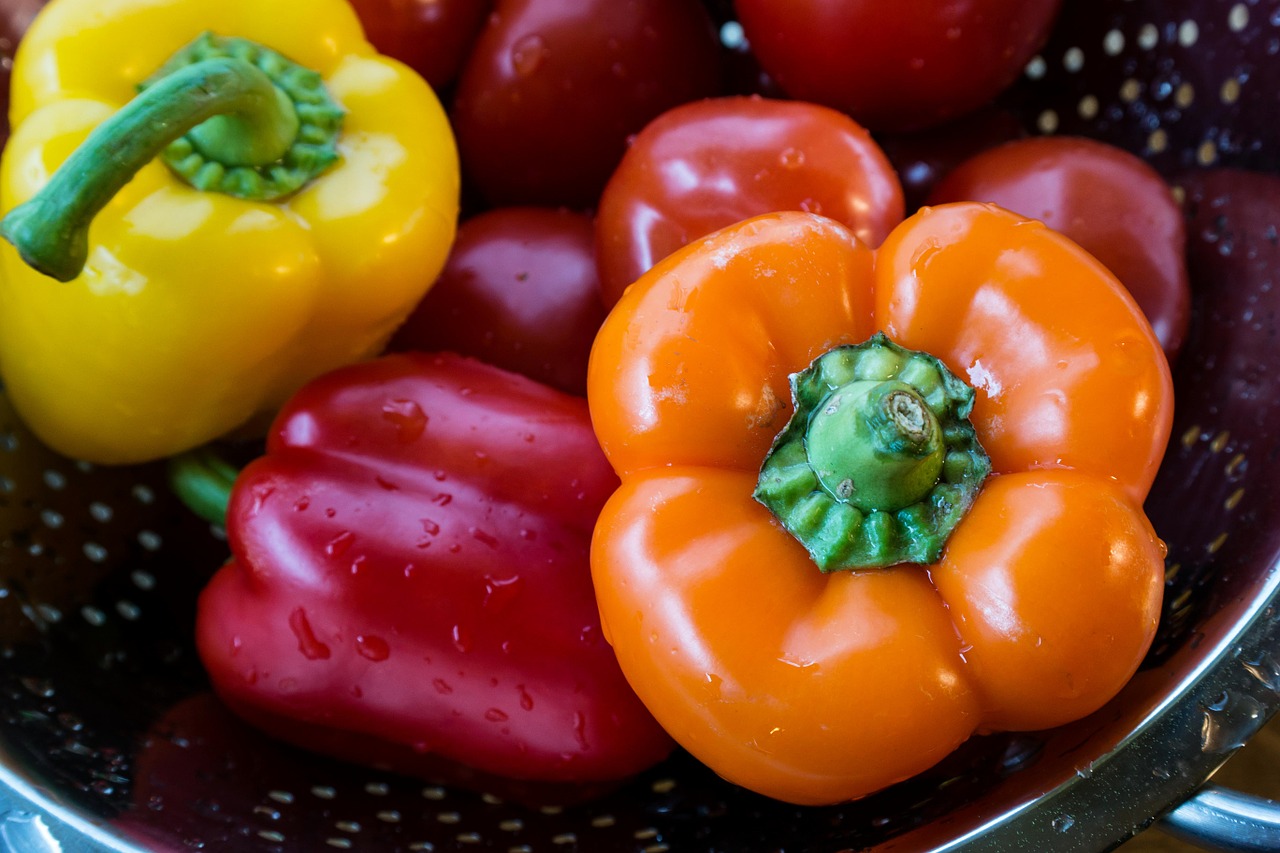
[
  {"x": 410, "y": 579},
  {"x": 817, "y": 687},
  {"x": 198, "y": 312}
]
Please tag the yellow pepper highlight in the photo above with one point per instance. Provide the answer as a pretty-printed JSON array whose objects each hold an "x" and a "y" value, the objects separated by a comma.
[{"x": 198, "y": 313}]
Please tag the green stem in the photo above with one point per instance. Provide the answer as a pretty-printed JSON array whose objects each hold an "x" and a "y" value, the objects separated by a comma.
[
  {"x": 202, "y": 480},
  {"x": 230, "y": 115},
  {"x": 879, "y": 462}
]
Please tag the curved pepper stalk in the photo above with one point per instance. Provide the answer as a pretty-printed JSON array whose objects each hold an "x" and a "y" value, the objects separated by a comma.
[{"x": 228, "y": 115}]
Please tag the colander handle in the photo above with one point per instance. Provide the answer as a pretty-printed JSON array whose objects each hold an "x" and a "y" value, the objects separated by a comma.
[{"x": 1226, "y": 821}]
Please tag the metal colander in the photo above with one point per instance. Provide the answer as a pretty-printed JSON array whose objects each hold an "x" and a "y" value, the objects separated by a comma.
[{"x": 110, "y": 739}]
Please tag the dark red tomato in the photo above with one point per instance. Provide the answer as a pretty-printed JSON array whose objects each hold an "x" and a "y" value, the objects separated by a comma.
[
  {"x": 431, "y": 36},
  {"x": 553, "y": 88},
  {"x": 896, "y": 65},
  {"x": 708, "y": 164},
  {"x": 519, "y": 291},
  {"x": 922, "y": 157},
  {"x": 15, "y": 17},
  {"x": 1109, "y": 201}
]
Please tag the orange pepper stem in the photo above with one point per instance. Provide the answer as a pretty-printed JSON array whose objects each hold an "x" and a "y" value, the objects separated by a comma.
[{"x": 879, "y": 463}]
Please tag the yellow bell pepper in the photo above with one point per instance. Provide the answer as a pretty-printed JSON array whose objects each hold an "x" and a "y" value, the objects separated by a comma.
[{"x": 270, "y": 206}]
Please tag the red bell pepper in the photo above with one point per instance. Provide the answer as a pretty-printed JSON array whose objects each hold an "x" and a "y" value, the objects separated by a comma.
[{"x": 410, "y": 579}]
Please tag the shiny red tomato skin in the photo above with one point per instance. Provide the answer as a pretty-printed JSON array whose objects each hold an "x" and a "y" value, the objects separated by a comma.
[
  {"x": 896, "y": 65},
  {"x": 519, "y": 291},
  {"x": 705, "y": 165},
  {"x": 1109, "y": 201},
  {"x": 553, "y": 88},
  {"x": 433, "y": 37}
]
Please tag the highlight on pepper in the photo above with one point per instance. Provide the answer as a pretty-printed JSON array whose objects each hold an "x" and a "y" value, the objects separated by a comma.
[
  {"x": 208, "y": 205},
  {"x": 942, "y": 534}
]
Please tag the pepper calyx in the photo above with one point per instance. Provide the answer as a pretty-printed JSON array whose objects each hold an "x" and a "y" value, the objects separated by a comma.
[
  {"x": 879, "y": 462},
  {"x": 229, "y": 153}
]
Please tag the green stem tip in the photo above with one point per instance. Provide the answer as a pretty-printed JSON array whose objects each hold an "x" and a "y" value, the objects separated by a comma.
[
  {"x": 225, "y": 114},
  {"x": 202, "y": 480},
  {"x": 879, "y": 463}
]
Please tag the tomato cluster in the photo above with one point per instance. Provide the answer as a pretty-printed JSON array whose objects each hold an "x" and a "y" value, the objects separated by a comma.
[{"x": 661, "y": 121}]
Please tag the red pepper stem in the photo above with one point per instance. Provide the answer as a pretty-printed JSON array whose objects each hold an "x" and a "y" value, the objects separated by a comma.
[{"x": 202, "y": 480}]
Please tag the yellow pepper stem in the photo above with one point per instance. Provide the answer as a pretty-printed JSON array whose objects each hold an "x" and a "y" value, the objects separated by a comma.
[{"x": 228, "y": 115}]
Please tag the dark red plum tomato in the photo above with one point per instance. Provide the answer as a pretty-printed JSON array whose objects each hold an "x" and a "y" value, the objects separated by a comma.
[
  {"x": 896, "y": 65},
  {"x": 433, "y": 37},
  {"x": 553, "y": 89},
  {"x": 1109, "y": 201},
  {"x": 708, "y": 164},
  {"x": 519, "y": 291}
]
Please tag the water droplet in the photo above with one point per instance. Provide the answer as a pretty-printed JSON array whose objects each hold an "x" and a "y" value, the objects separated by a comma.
[
  {"x": 791, "y": 158},
  {"x": 1063, "y": 822},
  {"x": 386, "y": 484},
  {"x": 442, "y": 499},
  {"x": 499, "y": 592},
  {"x": 407, "y": 417},
  {"x": 1265, "y": 669},
  {"x": 338, "y": 545},
  {"x": 484, "y": 537},
  {"x": 528, "y": 54},
  {"x": 308, "y": 644},
  {"x": 373, "y": 648},
  {"x": 528, "y": 535},
  {"x": 443, "y": 687},
  {"x": 429, "y": 527},
  {"x": 495, "y": 715},
  {"x": 461, "y": 639},
  {"x": 580, "y": 730},
  {"x": 588, "y": 636},
  {"x": 260, "y": 494},
  {"x": 302, "y": 503},
  {"x": 526, "y": 701}
]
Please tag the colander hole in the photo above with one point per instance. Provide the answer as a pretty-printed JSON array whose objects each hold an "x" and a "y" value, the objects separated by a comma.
[{"x": 1188, "y": 33}]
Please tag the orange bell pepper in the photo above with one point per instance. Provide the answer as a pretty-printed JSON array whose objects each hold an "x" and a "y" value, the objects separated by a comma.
[{"x": 818, "y": 685}]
